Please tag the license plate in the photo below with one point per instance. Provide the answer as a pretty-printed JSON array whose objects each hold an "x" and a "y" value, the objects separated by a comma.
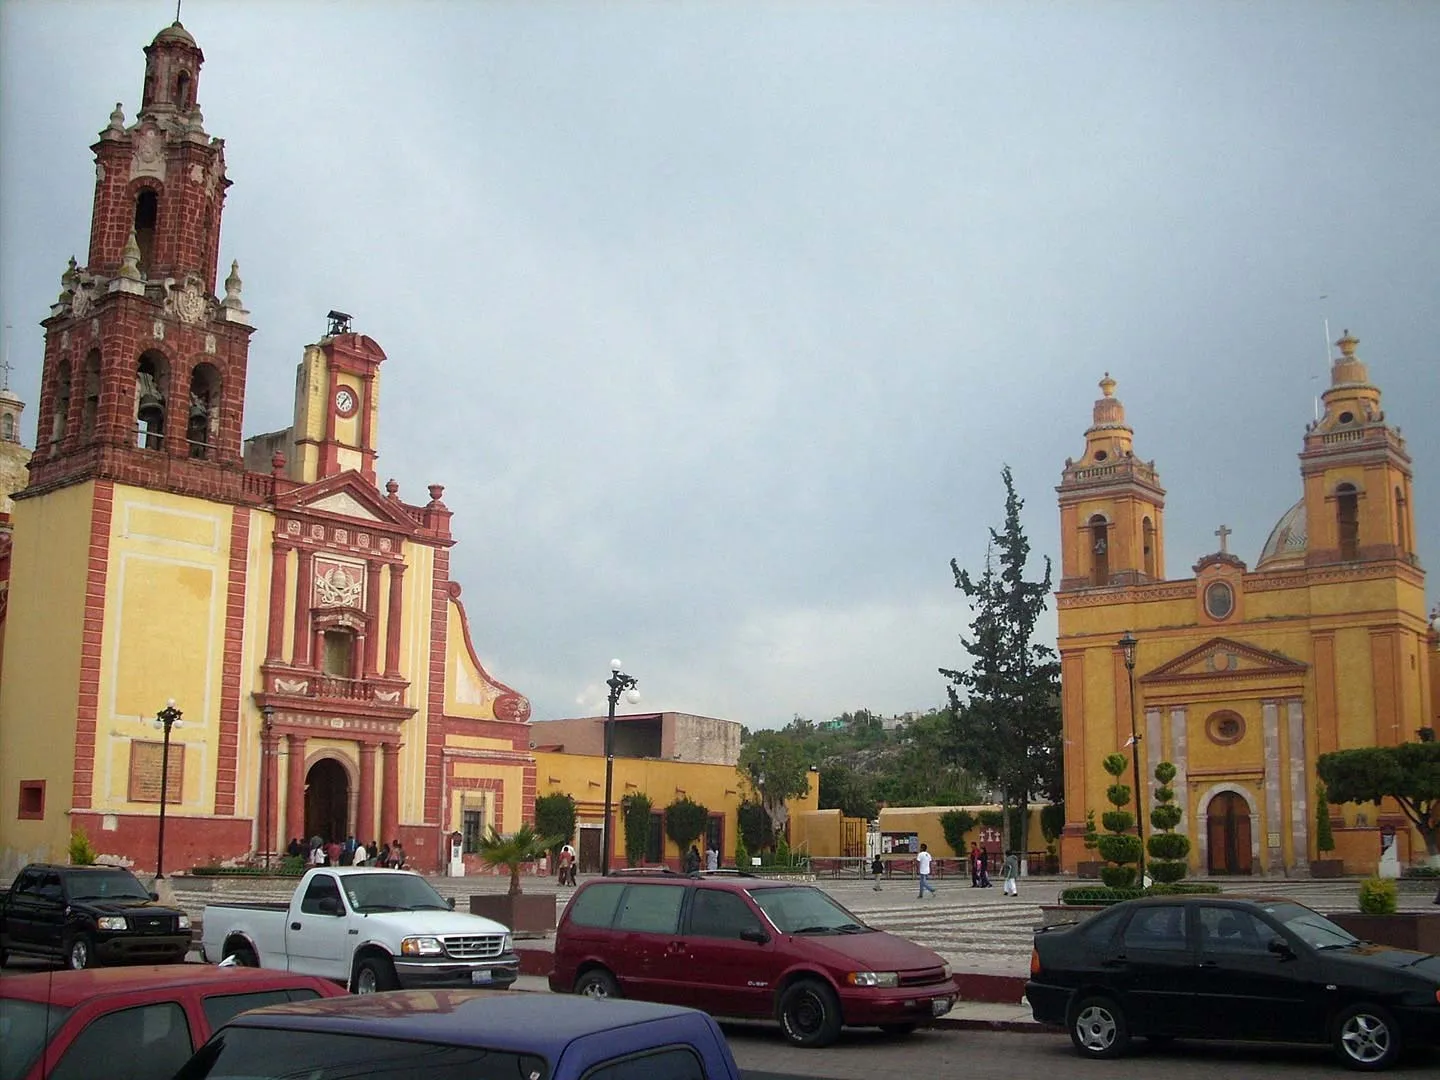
[
  {"x": 939, "y": 1006},
  {"x": 478, "y": 978}
]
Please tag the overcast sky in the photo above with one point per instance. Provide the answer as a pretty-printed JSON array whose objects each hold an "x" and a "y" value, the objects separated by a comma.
[{"x": 718, "y": 320}]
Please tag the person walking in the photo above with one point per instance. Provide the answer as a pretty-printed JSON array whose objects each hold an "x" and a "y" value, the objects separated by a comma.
[
  {"x": 922, "y": 867},
  {"x": 1011, "y": 873},
  {"x": 877, "y": 870},
  {"x": 360, "y": 855},
  {"x": 567, "y": 865},
  {"x": 974, "y": 865},
  {"x": 984, "y": 860},
  {"x": 692, "y": 860},
  {"x": 712, "y": 856}
]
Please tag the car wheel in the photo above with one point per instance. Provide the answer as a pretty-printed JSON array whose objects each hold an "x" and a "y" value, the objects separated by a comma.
[
  {"x": 244, "y": 957},
  {"x": 1098, "y": 1028},
  {"x": 809, "y": 1013},
  {"x": 1366, "y": 1037},
  {"x": 79, "y": 953},
  {"x": 374, "y": 975},
  {"x": 897, "y": 1029},
  {"x": 597, "y": 983}
]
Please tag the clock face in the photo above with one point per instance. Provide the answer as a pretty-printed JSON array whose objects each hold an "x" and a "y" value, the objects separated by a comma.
[{"x": 345, "y": 401}]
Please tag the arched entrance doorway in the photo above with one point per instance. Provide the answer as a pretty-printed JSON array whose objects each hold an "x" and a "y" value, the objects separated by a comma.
[
  {"x": 327, "y": 801},
  {"x": 1228, "y": 834}
]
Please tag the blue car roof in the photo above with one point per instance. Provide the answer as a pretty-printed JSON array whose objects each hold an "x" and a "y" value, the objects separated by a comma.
[{"x": 495, "y": 1019}]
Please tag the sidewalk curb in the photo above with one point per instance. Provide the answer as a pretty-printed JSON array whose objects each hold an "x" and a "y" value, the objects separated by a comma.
[{"x": 1027, "y": 1027}]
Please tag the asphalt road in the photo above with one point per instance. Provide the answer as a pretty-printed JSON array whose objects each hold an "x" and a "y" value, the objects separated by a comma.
[{"x": 991, "y": 1055}]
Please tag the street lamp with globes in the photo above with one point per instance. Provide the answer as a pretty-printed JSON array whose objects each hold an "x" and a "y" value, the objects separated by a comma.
[
  {"x": 1127, "y": 646},
  {"x": 266, "y": 752},
  {"x": 619, "y": 683},
  {"x": 167, "y": 718}
]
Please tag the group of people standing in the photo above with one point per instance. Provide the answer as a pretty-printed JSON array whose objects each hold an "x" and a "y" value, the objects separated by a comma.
[
  {"x": 692, "y": 858},
  {"x": 349, "y": 852}
]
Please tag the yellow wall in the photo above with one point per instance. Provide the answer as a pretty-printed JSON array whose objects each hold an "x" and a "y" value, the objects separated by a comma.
[
  {"x": 40, "y": 668},
  {"x": 924, "y": 822}
]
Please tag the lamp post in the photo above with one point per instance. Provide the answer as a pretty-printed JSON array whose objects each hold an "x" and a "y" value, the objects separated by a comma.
[
  {"x": 1127, "y": 645},
  {"x": 268, "y": 712},
  {"x": 167, "y": 718},
  {"x": 619, "y": 683}
]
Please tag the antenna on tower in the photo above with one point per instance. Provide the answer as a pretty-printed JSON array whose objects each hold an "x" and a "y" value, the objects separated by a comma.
[
  {"x": 177, "y": 10},
  {"x": 5, "y": 361},
  {"x": 1326, "y": 369}
]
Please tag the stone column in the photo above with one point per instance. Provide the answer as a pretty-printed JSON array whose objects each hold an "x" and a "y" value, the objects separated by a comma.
[
  {"x": 300, "y": 652},
  {"x": 269, "y": 790},
  {"x": 275, "y": 644},
  {"x": 365, "y": 814},
  {"x": 372, "y": 618},
  {"x": 390, "y": 792},
  {"x": 1274, "y": 856},
  {"x": 394, "y": 628},
  {"x": 295, "y": 796},
  {"x": 1299, "y": 790}
]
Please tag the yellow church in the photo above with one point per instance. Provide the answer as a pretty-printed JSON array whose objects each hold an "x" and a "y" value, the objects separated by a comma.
[
  {"x": 299, "y": 616},
  {"x": 1242, "y": 677}
]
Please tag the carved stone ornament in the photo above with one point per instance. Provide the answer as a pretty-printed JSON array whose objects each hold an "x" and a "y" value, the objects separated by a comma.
[
  {"x": 216, "y": 174},
  {"x": 336, "y": 588},
  {"x": 292, "y": 528},
  {"x": 388, "y": 697},
  {"x": 292, "y": 686},
  {"x": 100, "y": 172},
  {"x": 189, "y": 304},
  {"x": 210, "y": 344},
  {"x": 94, "y": 328},
  {"x": 149, "y": 156},
  {"x": 81, "y": 303},
  {"x": 158, "y": 330},
  {"x": 197, "y": 173},
  {"x": 64, "y": 339}
]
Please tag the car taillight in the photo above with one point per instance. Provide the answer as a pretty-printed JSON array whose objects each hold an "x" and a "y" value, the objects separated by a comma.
[{"x": 1035, "y": 964}]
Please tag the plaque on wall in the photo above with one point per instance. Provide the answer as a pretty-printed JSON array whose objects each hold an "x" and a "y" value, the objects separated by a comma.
[{"x": 146, "y": 761}]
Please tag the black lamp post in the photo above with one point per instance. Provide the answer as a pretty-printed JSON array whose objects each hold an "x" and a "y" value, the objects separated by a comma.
[
  {"x": 167, "y": 718},
  {"x": 1127, "y": 645},
  {"x": 619, "y": 683},
  {"x": 268, "y": 712}
]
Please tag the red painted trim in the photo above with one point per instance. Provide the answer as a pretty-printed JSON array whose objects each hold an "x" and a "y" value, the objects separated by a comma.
[
  {"x": 227, "y": 761},
  {"x": 88, "y": 701},
  {"x": 189, "y": 841},
  {"x": 522, "y": 707},
  {"x": 275, "y": 624},
  {"x": 435, "y": 685}
]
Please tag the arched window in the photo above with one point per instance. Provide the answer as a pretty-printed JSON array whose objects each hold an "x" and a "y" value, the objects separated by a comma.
[
  {"x": 1099, "y": 550},
  {"x": 7, "y": 428},
  {"x": 147, "y": 213},
  {"x": 150, "y": 386},
  {"x": 182, "y": 91},
  {"x": 62, "y": 405},
  {"x": 1402, "y": 520},
  {"x": 1347, "y": 520},
  {"x": 90, "y": 406},
  {"x": 204, "y": 410},
  {"x": 1148, "y": 528}
]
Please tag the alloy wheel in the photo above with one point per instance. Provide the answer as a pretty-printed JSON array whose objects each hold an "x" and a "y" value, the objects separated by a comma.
[
  {"x": 1365, "y": 1038},
  {"x": 1096, "y": 1029}
]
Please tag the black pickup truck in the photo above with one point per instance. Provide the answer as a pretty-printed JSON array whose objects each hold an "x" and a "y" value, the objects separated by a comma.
[{"x": 88, "y": 915}]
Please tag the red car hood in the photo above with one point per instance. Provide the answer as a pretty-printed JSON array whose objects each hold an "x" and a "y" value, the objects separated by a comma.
[{"x": 874, "y": 950}]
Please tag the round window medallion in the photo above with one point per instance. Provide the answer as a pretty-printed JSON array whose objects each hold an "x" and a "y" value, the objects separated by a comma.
[
  {"x": 1219, "y": 600},
  {"x": 1225, "y": 728},
  {"x": 1346, "y": 417},
  {"x": 1101, "y": 455}
]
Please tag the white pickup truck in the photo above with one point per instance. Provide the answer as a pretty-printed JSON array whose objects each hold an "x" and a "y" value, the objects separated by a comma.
[{"x": 367, "y": 928}]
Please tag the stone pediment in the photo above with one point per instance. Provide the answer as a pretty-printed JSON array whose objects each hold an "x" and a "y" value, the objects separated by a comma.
[
  {"x": 349, "y": 495},
  {"x": 344, "y": 504},
  {"x": 1224, "y": 658}
]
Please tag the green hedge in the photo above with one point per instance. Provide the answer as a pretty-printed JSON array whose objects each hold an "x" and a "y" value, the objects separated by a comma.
[
  {"x": 1423, "y": 872},
  {"x": 1101, "y": 895},
  {"x": 247, "y": 871}
]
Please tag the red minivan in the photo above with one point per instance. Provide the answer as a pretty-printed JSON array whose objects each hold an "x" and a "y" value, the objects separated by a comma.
[{"x": 743, "y": 946}]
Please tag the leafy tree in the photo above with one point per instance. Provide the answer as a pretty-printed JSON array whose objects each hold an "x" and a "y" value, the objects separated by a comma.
[
  {"x": 843, "y": 788},
  {"x": 753, "y": 824},
  {"x": 1408, "y": 773},
  {"x": 524, "y": 845},
  {"x": 1052, "y": 821},
  {"x": 1008, "y": 731},
  {"x": 81, "y": 851},
  {"x": 1117, "y": 846},
  {"x": 555, "y": 816},
  {"x": 1169, "y": 850},
  {"x": 776, "y": 769},
  {"x": 742, "y": 854},
  {"x": 635, "y": 811},
  {"x": 955, "y": 824},
  {"x": 1324, "y": 836},
  {"x": 685, "y": 821}
]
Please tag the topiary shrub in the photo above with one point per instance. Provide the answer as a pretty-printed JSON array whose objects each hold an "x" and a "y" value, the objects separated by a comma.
[
  {"x": 635, "y": 812},
  {"x": 1378, "y": 896},
  {"x": 1324, "y": 837},
  {"x": 1118, "y": 847},
  {"x": 742, "y": 855},
  {"x": 685, "y": 821},
  {"x": 81, "y": 853},
  {"x": 1169, "y": 850}
]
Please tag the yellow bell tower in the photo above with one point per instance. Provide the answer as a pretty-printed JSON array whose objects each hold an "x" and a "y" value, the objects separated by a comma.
[
  {"x": 1112, "y": 506},
  {"x": 1356, "y": 470}
]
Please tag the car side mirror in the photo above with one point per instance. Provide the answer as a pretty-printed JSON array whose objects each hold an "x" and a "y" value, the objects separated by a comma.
[
  {"x": 1281, "y": 948},
  {"x": 755, "y": 934},
  {"x": 451, "y": 902},
  {"x": 154, "y": 896},
  {"x": 328, "y": 905}
]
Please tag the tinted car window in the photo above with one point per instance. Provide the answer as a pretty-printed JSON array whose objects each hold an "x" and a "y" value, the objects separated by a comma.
[
  {"x": 1100, "y": 929},
  {"x": 595, "y": 906},
  {"x": 669, "y": 1063},
  {"x": 23, "y": 1033},
  {"x": 1161, "y": 926},
  {"x": 105, "y": 885},
  {"x": 28, "y": 882},
  {"x": 1310, "y": 926},
  {"x": 220, "y": 1009},
  {"x": 714, "y": 913},
  {"x": 1231, "y": 930},
  {"x": 321, "y": 888},
  {"x": 654, "y": 909},
  {"x": 799, "y": 909},
  {"x": 129, "y": 1044},
  {"x": 263, "y": 1054},
  {"x": 50, "y": 887}
]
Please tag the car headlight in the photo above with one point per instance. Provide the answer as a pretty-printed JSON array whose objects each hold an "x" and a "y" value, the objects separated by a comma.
[
  {"x": 505, "y": 945},
  {"x": 112, "y": 922},
  {"x": 873, "y": 978},
  {"x": 945, "y": 968},
  {"x": 183, "y": 923},
  {"x": 421, "y": 946}
]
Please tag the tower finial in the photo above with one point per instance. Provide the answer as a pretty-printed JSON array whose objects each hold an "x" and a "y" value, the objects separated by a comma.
[
  {"x": 1347, "y": 344},
  {"x": 1107, "y": 385}
]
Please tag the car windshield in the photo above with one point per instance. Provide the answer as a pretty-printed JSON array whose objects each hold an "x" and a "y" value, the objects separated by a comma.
[
  {"x": 22, "y": 1033},
  {"x": 1311, "y": 927},
  {"x": 389, "y": 891},
  {"x": 246, "y": 1053},
  {"x": 804, "y": 909},
  {"x": 106, "y": 885}
]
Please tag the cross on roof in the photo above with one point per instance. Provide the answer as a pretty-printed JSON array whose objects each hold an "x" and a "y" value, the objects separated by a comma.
[{"x": 1223, "y": 532}]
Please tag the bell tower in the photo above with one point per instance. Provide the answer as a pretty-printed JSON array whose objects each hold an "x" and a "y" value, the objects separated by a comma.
[
  {"x": 1111, "y": 506},
  {"x": 144, "y": 369},
  {"x": 1356, "y": 471}
]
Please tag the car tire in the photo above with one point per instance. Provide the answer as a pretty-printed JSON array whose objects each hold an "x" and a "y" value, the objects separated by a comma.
[
  {"x": 374, "y": 975},
  {"x": 809, "y": 1013},
  {"x": 898, "y": 1029},
  {"x": 1366, "y": 1037},
  {"x": 244, "y": 956},
  {"x": 1098, "y": 1028},
  {"x": 79, "y": 952},
  {"x": 597, "y": 983}
]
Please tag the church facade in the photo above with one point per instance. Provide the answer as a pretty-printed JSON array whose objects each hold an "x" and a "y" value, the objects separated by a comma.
[
  {"x": 1243, "y": 677},
  {"x": 300, "y": 617}
]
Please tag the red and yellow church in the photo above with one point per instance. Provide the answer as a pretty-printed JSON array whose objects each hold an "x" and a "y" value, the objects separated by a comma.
[
  {"x": 300, "y": 616},
  {"x": 1243, "y": 677}
]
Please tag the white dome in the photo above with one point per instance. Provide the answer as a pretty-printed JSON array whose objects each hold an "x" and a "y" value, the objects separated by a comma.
[{"x": 1288, "y": 540}]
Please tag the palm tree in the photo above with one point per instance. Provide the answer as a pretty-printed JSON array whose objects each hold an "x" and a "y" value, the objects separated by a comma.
[{"x": 523, "y": 846}]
